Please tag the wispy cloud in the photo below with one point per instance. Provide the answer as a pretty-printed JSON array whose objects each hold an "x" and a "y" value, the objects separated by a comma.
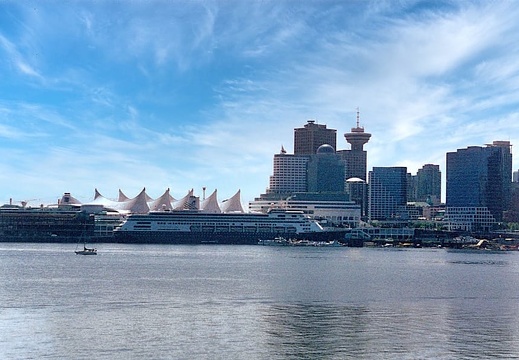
[
  {"x": 18, "y": 62},
  {"x": 203, "y": 93}
]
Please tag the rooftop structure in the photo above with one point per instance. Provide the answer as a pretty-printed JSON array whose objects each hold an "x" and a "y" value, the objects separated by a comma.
[
  {"x": 356, "y": 158},
  {"x": 357, "y": 137},
  {"x": 334, "y": 207},
  {"x": 325, "y": 171},
  {"x": 142, "y": 203},
  {"x": 308, "y": 138},
  {"x": 289, "y": 174}
]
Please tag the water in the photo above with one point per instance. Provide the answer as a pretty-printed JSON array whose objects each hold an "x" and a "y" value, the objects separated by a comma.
[{"x": 255, "y": 302}]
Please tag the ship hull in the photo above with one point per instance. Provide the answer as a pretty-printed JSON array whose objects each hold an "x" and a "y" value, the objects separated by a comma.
[{"x": 161, "y": 237}]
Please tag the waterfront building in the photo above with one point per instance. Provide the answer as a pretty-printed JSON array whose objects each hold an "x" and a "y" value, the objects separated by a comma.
[
  {"x": 143, "y": 203},
  {"x": 469, "y": 218},
  {"x": 381, "y": 235},
  {"x": 425, "y": 186},
  {"x": 308, "y": 138},
  {"x": 289, "y": 174},
  {"x": 311, "y": 180},
  {"x": 357, "y": 191},
  {"x": 435, "y": 213},
  {"x": 325, "y": 171},
  {"x": 411, "y": 187},
  {"x": 515, "y": 177},
  {"x": 313, "y": 184},
  {"x": 335, "y": 208},
  {"x": 356, "y": 157},
  {"x": 428, "y": 184},
  {"x": 478, "y": 186},
  {"x": 387, "y": 194},
  {"x": 512, "y": 215},
  {"x": 62, "y": 223},
  {"x": 356, "y": 165}
]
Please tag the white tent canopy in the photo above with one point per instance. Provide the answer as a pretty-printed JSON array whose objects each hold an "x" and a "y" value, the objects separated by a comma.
[
  {"x": 233, "y": 204},
  {"x": 210, "y": 205},
  {"x": 143, "y": 203}
]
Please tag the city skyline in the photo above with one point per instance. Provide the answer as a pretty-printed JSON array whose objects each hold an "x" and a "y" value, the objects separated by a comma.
[{"x": 186, "y": 95}]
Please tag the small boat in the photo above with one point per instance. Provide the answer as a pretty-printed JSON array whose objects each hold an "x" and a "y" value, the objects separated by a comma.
[
  {"x": 86, "y": 251},
  {"x": 334, "y": 243},
  {"x": 278, "y": 241}
]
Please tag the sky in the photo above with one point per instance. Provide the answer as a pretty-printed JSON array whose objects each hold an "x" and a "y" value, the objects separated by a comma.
[{"x": 191, "y": 94}]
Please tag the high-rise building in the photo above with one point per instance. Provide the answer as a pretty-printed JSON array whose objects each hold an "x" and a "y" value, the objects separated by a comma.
[
  {"x": 428, "y": 184},
  {"x": 478, "y": 186},
  {"x": 289, "y": 175},
  {"x": 387, "y": 193},
  {"x": 357, "y": 157},
  {"x": 325, "y": 171},
  {"x": 356, "y": 161},
  {"x": 411, "y": 188},
  {"x": 512, "y": 215},
  {"x": 308, "y": 138},
  {"x": 357, "y": 191},
  {"x": 311, "y": 180}
]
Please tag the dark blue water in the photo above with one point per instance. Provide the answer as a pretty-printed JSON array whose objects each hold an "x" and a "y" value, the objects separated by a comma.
[{"x": 256, "y": 302}]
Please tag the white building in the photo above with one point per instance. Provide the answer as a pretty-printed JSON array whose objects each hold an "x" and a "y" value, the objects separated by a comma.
[
  {"x": 339, "y": 212},
  {"x": 468, "y": 219},
  {"x": 289, "y": 174}
]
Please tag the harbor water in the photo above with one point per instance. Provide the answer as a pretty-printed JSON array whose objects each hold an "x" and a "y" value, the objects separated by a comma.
[{"x": 256, "y": 302}]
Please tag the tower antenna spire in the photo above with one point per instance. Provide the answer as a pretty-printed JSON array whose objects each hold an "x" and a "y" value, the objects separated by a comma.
[{"x": 358, "y": 117}]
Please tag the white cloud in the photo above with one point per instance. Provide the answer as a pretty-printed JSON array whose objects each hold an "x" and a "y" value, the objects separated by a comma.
[
  {"x": 426, "y": 82},
  {"x": 17, "y": 59}
]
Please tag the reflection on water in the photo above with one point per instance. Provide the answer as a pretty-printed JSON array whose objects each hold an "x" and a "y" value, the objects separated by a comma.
[
  {"x": 314, "y": 331},
  {"x": 408, "y": 332},
  {"x": 233, "y": 302},
  {"x": 491, "y": 262}
]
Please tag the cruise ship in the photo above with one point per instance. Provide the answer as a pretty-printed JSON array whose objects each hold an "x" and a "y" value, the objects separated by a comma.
[
  {"x": 22, "y": 224},
  {"x": 196, "y": 227}
]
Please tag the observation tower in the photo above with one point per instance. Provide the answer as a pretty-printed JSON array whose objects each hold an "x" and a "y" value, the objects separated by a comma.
[{"x": 357, "y": 137}]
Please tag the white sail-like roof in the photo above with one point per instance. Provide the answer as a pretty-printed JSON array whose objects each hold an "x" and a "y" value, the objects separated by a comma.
[
  {"x": 161, "y": 203},
  {"x": 210, "y": 205},
  {"x": 101, "y": 200},
  {"x": 122, "y": 197},
  {"x": 146, "y": 196},
  {"x": 233, "y": 204},
  {"x": 138, "y": 205},
  {"x": 68, "y": 199},
  {"x": 97, "y": 194},
  {"x": 142, "y": 203},
  {"x": 188, "y": 202}
]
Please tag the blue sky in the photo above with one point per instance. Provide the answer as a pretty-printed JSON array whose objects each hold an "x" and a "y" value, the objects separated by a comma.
[{"x": 185, "y": 94}]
